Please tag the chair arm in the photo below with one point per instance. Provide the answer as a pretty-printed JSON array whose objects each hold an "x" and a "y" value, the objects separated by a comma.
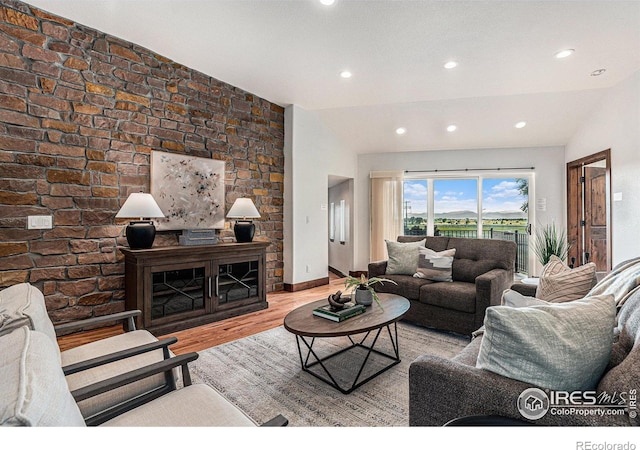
[
  {"x": 277, "y": 421},
  {"x": 492, "y": 284},
  {"x": 166, "y": 367},
  {"x": 119, "y": 355},
  {"x": 117, "y": 381},
  {"x": 80, "y": 324},
  {"x": 489, "y": 289},
  {"x": 441, "y": 390},
  {"x": 528, "y": 290},
  {"x": 377, "y": 268}
]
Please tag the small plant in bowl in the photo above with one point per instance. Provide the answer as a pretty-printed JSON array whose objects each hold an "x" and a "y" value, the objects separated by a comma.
[{"x": 362, "y": 288}]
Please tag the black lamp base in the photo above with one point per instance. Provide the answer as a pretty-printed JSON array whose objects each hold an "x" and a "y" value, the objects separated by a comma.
[
  {"x": 244, "y": 231},
  {"x": 141, "y": 234}
]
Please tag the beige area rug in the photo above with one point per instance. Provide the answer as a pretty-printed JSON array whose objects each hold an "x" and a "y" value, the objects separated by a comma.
[{"x": 261, "y": 374}]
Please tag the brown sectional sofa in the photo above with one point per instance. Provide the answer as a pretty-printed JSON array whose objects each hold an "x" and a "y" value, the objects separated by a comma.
[
  {"x": 443, "y": 389},
  {"x": 482, "y": 270}
]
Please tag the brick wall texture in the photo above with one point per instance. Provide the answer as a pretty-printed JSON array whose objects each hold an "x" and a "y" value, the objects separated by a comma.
[{"x": 80, "y": 112}]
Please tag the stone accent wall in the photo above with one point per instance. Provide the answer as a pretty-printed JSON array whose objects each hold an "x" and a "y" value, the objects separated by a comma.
[{"x": 80, "y": 112}]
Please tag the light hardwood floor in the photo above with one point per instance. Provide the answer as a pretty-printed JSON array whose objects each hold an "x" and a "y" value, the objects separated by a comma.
[{"x": 205, "y": 336}]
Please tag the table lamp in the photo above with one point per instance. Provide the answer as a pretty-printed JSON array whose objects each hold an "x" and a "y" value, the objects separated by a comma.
[
  {"x": 140, "y": 233},
  {"x": 242, "y": 210}
]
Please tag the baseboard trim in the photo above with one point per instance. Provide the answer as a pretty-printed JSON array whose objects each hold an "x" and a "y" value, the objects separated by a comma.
[
  {"x": 306, "y": 285},
  {"x": 357, "y": 273},
  {"x": 336, "y": 272}
]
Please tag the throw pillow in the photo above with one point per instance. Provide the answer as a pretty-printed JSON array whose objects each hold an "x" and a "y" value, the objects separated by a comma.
[
  {"x": 559, "y": 346},
  {"x": 517, "y": 300},
  {"x": 513, "y": 299},
  {"x": 403, "y": 257},
  {"x": 435, "y": 266},
  {"x": 560, "y": 283},
  {"x": 23, "y": 304}
]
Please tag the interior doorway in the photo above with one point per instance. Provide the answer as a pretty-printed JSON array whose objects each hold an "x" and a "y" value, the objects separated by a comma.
[
  {"x": 589, "y": 211},
  {"x": 340, "y": 225}
]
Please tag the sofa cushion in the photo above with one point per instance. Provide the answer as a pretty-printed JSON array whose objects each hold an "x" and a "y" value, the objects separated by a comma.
[
  {"x": 101, "y": 402},
  {"x": 627, "y": 330},
  {"x": 560, "y": 283},
  {"x": 33, "y": 390},
  {"x": 624, "y": 364},
  {"x": 403, "y": 257},
  {"x": 23, "y": 304},
  {"x": 562, "y": 346},
  {"x": 407, "y": 286},
  {"x": 623, "y": 378},
  {"x": 437, "y": 243},
  {"x": 197, "y": 405},
  {"x": 474, "y": 257},
  {"x": 435, "y": 266},
  {"x": 457, "y": 295},
  {"x": 623, "y": 281}
]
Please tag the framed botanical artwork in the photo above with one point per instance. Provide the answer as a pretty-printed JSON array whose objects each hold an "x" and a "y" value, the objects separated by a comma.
[{"x": 189, "y": 190}]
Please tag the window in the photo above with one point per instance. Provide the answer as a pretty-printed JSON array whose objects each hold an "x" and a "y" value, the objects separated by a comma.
[
  {"x": 415, "y": 207},
  {"x": 490, "y": 207}
]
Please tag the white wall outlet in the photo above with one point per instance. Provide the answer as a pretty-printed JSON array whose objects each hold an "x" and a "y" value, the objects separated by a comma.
[
  {"x": 617, "y": 196},
  {"x": 307, "y": 268},
  {"x": 39, "y": 222}
]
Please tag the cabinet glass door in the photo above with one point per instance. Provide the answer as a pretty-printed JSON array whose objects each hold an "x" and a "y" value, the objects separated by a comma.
[
  {"x": 237, "y": 281},
  {"x": 178, "y": 291}
]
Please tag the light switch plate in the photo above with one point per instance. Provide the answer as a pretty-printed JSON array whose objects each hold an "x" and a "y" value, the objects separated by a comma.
[
  {"x": 39, "y": 222},
  {"x": 617, "y": 196}
]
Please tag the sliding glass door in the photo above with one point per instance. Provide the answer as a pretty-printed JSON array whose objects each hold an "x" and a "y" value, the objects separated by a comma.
[
  {"x": 455, "y": 207},
  {"x": 505, "y": 214},
  {"x": 491, "y": 207}
]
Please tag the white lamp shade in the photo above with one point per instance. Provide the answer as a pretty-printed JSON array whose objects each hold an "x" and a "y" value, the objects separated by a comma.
[
  {"x": 140, "y": 205},
  {"x": 243, "y": 208}
]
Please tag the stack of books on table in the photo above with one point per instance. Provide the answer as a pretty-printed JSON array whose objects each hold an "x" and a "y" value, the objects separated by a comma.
[{"x": 349, "y": 310}]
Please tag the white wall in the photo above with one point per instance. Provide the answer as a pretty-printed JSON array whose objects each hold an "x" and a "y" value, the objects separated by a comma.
[
  {"x": 615, "y": 124},
  {"x": 312, "y": 153},
  {"x": 548, "y": 180}
]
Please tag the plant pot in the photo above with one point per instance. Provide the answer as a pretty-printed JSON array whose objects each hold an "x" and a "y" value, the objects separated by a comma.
[{"x": 364, "y": 297}]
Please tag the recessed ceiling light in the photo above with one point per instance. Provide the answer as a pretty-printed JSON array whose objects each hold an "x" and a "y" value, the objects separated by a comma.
[
  {"x": 564, "y": 53},
  {"x": 346, "y": 74},
  {"x": 327, "y": 2},
  {"x": 597, "y": 73},
  {"x": 521, "y": 124},
  {"x": 401, "y": 130},
  {"x": 450, "y": 64},
  {"x": 452, "y": 128}
]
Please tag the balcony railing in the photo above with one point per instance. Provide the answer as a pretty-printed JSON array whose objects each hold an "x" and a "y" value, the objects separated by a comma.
[{"x": 521, "y": 238}]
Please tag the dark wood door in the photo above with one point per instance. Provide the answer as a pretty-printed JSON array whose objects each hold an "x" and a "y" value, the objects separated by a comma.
[
  {"x": 595, "y": 216},
  {"x": 589, "y": 211}
]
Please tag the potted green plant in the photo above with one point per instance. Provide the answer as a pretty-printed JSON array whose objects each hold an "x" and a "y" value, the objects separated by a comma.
[
  {"x": 549, "y": 241},
  {"x": 362, "y": 289}
]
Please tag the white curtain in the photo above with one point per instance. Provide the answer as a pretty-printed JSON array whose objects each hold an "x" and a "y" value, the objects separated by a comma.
[{"x": 386, "y": 211}]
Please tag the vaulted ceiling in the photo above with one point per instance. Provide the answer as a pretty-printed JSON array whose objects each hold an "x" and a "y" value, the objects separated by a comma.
[{"x": 293, "y": 51}]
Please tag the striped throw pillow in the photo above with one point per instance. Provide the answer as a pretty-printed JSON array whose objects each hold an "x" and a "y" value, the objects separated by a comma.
[{"x": 560, "y": 283}]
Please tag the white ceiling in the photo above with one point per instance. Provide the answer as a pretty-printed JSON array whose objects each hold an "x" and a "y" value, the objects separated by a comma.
[{"x": 291, "y": 52}]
